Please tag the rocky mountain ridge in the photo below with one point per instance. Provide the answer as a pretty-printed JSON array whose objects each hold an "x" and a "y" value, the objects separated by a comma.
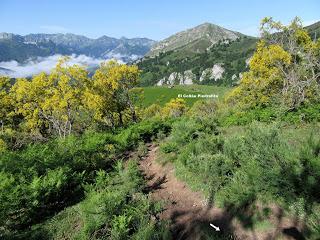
[
  {"x": 20, "y": 48},
  {"x": 196, "y": 39}
]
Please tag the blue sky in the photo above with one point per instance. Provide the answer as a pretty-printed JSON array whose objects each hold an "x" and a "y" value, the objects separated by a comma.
[{"x": 143, "y": 18}]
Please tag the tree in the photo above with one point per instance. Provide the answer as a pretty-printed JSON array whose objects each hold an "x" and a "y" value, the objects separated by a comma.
[
  {"x": 67, "y": 99},
  {"x": 301, "y": 79},
  {"x": 283, "y": 70},
  {"x": 54, "y": 101},
  {"x": 5, "y": 101},
  {"x": 109, "y": 96},
  {"x": 63, "y": 102}
]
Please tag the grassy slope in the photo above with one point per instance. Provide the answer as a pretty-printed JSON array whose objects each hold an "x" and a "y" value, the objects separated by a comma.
[{"x": 162, "y": 95}]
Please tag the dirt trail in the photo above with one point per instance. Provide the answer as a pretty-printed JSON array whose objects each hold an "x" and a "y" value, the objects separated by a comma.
[{"x": 188, "y": 211}]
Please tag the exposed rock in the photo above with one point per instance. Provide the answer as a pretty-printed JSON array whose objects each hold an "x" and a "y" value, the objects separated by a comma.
[
  {"x": 171, "y": 78},
  {"x": 185, "y": 78},
  {"x": 248, "y": 61},
  {"x": 188, "y": 78},
  {"x": 234, "y": 76},
  {"x": 161, "y": 82},
  {"x": 212, "y": 73}
]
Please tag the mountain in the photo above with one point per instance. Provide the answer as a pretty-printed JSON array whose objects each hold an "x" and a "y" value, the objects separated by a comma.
[
  {"x": 314, "y": 30},
  {"x": 196, "y": 39},
  {"x": 204, "y": 54},
  {"x": 21, "y": 48}
]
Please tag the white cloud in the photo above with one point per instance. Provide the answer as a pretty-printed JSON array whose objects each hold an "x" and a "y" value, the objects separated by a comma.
[
  {"x": 44, "y": 64},
  {"x": 54, "y": 29}
]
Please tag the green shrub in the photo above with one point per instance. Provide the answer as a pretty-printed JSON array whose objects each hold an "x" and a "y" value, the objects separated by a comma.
[
  {"x": 24, "y": 202},
  {"x": 114, "y": 208},
  {"x": 41, "y": 179},
  {"x": 142, "y": 149},
  {"x": 169, "y": 147},
  {"x": 259, "y": 161}
]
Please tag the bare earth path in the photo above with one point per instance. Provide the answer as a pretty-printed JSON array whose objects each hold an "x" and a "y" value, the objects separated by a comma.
[{"x": 188, "y": 211}]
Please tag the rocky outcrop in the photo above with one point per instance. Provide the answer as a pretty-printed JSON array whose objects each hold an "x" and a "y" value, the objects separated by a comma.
[
  {"x": 236, "y": 78},
  {"x": 161, "y": 82},
  {"x": 188, "y": 77},
  {"x": 185, "y": 78},
  {"x": 214, "y": 73}
]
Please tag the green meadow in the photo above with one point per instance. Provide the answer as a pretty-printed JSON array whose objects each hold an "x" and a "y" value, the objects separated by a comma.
[{"x": 163, "y": 94}]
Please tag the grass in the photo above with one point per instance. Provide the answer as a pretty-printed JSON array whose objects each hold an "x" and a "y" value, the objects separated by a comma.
[
  {"x": 295, "y": 135},
  {"x": 162, "y": 95},
  {"x": 270, "y": 164}
]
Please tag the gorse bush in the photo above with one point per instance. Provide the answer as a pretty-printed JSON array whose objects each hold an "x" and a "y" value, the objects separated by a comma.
[
  {"x": 68, "y": 100},
  {"x": 305, "y": 113},
  {"x": 283, "y": 75},
  {"x": 264, "y": 166}
]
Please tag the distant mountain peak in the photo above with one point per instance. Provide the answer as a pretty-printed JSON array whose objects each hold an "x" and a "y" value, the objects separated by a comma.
[
  {"x": 198, "y": 38},
  {"x": 21, "y": 48}
]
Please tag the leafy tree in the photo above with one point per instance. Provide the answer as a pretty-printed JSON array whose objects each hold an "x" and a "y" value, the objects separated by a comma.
[
  {"x": 262, "y": 83},
  {"x": 6, "y": 101},
  {"x": 283, "y": 70},
  {"x": 52, "y": 101},
  {"x": 109, "y": 97},
  {"x": 67, "y": 99}
]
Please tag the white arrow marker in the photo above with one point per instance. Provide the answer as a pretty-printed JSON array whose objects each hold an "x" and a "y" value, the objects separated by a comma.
[{"x": 215, "y": 227}]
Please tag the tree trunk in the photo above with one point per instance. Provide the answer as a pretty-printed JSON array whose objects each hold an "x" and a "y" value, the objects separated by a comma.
[
  {"x": 120, "y": 118},
  {"x": 2, "y": 126}
]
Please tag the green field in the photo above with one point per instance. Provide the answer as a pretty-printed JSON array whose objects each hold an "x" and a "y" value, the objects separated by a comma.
[{"x": 163, "y": 94}]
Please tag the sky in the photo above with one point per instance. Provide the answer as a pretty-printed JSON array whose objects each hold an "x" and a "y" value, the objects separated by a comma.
[{"x": 155, "y": 19}]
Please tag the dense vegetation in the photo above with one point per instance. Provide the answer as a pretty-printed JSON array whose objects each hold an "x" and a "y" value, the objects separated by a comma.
[
  {"x": 67, "y": 138},
  {"x": 249, "y": 169},
  {"x": 62, "y": 141},
  {"x": 42, "y": 179}
]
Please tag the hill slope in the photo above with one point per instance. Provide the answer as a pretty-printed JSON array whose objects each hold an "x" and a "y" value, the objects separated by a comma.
[
  {"x": 314, "y": 30},
  {"x": 221, "y": 63}
]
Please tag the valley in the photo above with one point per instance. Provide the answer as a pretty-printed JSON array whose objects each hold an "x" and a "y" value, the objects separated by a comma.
[{"x": 205, "y": 134}]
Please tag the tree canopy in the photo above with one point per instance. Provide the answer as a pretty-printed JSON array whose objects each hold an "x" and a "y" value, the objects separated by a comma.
[
  {"x": 68, "y": 100},
  {"x": 284, "y": 69}
]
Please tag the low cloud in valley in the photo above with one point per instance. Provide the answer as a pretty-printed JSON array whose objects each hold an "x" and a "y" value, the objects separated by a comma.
[{"x": 43, "y": 64}]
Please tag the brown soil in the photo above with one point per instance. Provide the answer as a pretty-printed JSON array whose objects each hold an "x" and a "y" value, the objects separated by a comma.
[{"x": 190, "y": 215}]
